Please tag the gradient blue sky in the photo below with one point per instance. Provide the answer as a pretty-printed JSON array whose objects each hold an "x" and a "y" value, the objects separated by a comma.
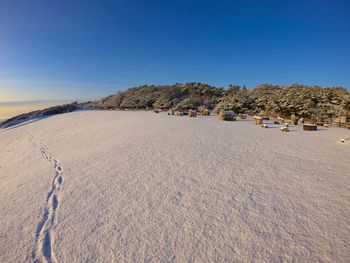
[{"x": 89, "y": 49}]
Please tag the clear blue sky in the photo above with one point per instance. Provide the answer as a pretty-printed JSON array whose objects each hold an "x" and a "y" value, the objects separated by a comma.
[{"x": 88, "y": 49}]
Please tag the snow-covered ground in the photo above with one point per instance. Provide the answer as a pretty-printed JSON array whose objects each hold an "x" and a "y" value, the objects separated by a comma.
[{"x": 99, "y": 186}]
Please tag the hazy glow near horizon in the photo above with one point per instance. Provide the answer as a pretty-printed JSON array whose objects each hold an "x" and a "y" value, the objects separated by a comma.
[
  {"x": 32, "y": 92},
  {"x": 86, "y": 50},
  {"x": 13, "y": 109}
]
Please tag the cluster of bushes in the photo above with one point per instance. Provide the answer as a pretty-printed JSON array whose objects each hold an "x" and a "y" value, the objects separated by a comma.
[
  {"x": 179, "y": 96},
  {"x": 301, "y": 100}
]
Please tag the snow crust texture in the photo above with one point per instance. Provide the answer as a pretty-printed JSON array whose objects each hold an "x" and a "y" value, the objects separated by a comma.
[{"x": 146, "y": 187}]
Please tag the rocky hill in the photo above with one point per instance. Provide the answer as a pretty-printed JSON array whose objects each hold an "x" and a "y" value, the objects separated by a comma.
[{"x": 304, "y": 101}]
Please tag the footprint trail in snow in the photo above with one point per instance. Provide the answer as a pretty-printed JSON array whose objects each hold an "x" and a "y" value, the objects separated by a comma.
[{"x": 44, "y": 241}]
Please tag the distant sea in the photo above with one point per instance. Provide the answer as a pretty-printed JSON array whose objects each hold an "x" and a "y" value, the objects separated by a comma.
[{"x": 14, "y": 108}]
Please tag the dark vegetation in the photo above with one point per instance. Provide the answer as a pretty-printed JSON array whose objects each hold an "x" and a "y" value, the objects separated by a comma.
[
  {"x": 39, "y": 113},
  {"x": 180, "y": 96},
  {"x": 301, "y": 100}
]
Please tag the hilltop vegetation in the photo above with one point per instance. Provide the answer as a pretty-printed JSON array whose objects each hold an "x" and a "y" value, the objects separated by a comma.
[
  {"x": 304, "y": 101},
  {"x": 39, "y": 114},
  {"x": 301, "y": 100},
  {"x": 181, "y": 96}
]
